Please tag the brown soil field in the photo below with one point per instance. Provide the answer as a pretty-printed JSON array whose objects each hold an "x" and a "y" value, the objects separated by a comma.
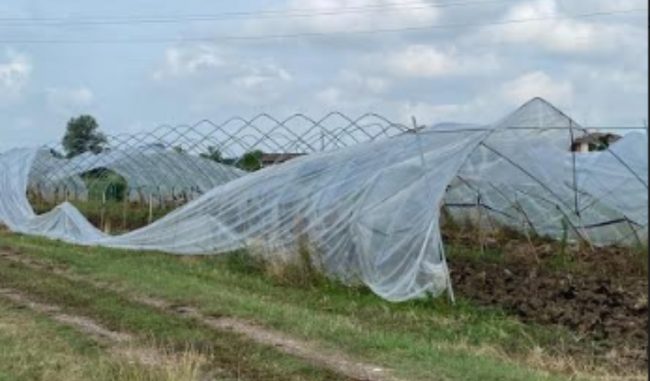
[{"x": 599, "y": 294}]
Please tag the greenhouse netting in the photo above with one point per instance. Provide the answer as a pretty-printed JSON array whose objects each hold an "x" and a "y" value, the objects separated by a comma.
[{"x": 371, "y": 210}]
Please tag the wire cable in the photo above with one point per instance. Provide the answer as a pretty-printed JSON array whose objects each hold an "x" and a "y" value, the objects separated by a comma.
[
  {"x": 290, "y": 13},
  {"x": 321, "y": 34}
]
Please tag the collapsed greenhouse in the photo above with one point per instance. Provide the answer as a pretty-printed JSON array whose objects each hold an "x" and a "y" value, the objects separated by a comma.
[{"x": 369, "y": 205}]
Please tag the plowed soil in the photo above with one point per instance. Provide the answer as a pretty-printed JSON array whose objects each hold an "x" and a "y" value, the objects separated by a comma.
[{"x": 598, "y": 294}]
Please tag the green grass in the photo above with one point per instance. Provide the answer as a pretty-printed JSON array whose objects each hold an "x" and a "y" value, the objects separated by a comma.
[
  {"x": 33, "y": 347},
  {"x": 228, "y": 351},
  {"x": 420, "y": 340}
]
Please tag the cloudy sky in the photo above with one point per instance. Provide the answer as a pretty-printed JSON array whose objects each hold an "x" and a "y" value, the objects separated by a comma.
[{"x": 136, "y": 64}]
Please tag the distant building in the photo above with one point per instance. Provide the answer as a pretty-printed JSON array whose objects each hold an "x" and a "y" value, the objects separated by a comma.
[{"x": 595, "y": 141}]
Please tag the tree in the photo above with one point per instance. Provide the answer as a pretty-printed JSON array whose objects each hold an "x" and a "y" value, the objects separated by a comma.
[
  {"x": 212, "y": 154},
  {"x": 251, "y": 161},
  {"x": 83, "y": 135}
]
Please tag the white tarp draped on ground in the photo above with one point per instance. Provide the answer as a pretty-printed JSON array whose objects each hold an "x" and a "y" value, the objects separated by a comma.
[{"x": 371, "y": 211}]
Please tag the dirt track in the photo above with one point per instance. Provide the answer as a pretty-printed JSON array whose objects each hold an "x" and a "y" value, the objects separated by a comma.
[
  {"x": 605, "y": 303},
  {"x": 116, "y": 342},
  {"x": 340, "y": 363}
]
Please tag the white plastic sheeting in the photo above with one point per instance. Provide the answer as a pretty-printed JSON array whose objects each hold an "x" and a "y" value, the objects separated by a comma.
[
  {"x": 148, "y": 171},
  {"x": 523, "y": 175},
  {"x": 371, "y": 212},
  {"x": 48, "y": 181}
]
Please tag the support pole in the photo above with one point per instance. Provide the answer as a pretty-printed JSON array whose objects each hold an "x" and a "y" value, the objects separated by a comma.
[
  {"x": 124, "y": 206},
  {"x": 150, "y": 208},
  {"x": 450, "y": 288},
  {"x": 573, "y": 168},
  {"x": 478, "y": 224},
  {"x": 102, "y": 217}
]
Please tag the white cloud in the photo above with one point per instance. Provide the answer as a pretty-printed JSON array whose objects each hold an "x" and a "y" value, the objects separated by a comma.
[
  {"x": 427, "y": 61},
  {"x": 183, "y": 62},
  {"x": 350, "y": 87},
  {"x": 363, "y": 83},
  {"x": 331, "y": 96},
  {"x": 67, "y": 101},
  {"x": 332, "y": 16},
  {"x": 422, "y": 61},
  {"x": 207, "y": 65},
  {"x": 212, "y": 76},
  {"x": 634, "y": 82},
  {"x": 435, "y": 74},
  {"x": 255, "y": 75},
  {"x": 14, "y": 75},
  {"x": 429, "y": 113},
  {"x": 537, "y": 84},
  {"x": 488, "y": 107},
  {"x": 479, "y": 109},
  {"x": 559, "y": 33},
  {"x": 574, "y": 6}
]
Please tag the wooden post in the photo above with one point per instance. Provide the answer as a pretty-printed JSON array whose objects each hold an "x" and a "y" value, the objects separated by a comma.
[
  {"x": 102, "y": 210},
  {"x": 124, "y": 206},
  {"x": 150, "y": 208},
  {"x": 478, "y": 224}
]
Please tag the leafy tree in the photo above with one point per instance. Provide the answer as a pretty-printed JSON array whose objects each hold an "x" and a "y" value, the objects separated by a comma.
[
  {"x": 83, "y": 135},
  {"x": 251, "y": 161},
  {"x": 213, "y": 154}
]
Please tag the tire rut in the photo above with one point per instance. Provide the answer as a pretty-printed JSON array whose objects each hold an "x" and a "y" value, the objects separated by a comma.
[
  {"x": 120, "y": 344},
  {"x": 334, "y": 361}
]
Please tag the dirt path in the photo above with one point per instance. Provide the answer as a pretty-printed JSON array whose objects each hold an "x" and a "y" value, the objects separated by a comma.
[
  {"x": 338, "y": 362},
  {"x": 80, "y": 323},
  {"x": 121, "y": 344}
]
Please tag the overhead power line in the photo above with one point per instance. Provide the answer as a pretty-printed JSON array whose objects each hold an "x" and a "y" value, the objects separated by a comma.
[
  {"x": 81, "y": 20},
  {"x": 244, "y": 38}
]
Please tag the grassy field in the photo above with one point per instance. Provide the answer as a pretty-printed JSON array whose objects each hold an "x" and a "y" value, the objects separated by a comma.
[
  {"x": 418, "y": 340},
  {"x": 33, "y": 347}
]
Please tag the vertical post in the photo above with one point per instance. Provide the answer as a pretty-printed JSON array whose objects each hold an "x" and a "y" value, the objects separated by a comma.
[
  {"x": 638, "y": 240},
  {"x": 575, "y": 179},
  {"x": 103, "y": 210},
  {"x": 530, "y": 225},
  {"x": 450, "y": 288},
  {"x": 478, "y": 223},
  {"x": 417, "y": 137},
  {"x": 124, "y": 205},
  {"x": 150, "y": 208},
  {"x": 575, "y": 185}
]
